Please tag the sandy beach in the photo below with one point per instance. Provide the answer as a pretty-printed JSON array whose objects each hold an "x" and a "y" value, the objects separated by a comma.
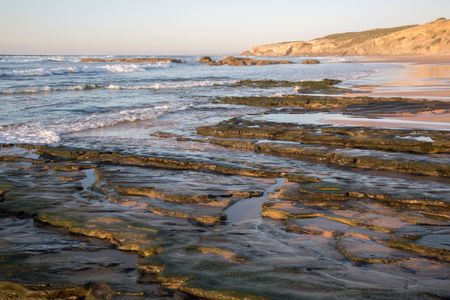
[
  {"x": 416, "y": 59},
  {"x": 418, "y": 77}
]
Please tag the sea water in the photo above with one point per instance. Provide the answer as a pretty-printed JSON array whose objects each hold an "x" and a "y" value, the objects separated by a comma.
[{"x": 45, "y": 99}]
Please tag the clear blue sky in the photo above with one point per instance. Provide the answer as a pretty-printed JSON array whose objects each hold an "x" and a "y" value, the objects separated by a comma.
[{"x": 192, "y": 26}]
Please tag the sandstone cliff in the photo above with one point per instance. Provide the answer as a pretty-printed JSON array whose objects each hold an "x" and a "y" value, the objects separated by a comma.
[{"x": 430, "y": 38}]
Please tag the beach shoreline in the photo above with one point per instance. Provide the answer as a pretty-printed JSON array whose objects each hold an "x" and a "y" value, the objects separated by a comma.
[
  {"x": 416, "y": 59},
  {"x": 418, "y": 77}
]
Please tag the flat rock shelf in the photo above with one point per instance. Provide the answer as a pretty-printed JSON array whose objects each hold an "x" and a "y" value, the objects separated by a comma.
[{"x": 242, "y": 207}]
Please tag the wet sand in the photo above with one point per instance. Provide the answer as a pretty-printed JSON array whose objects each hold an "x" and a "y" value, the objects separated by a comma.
[
  {"x": 422, "y": 59},
  {"x": 419, "y": 77},
  {"x": 431, "y": 121},
  {"x": 393, "y": 123},
  {"x": 428, "y": 117}
]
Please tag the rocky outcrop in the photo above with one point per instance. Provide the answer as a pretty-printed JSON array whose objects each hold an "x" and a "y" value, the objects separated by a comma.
[
  {"x": 206, "y": 60},
  {"x": 344, "y": 137},
  {"x": 133, "y": 60},
  {"x": 349, "y": 105},
  {"x": 62, "y": 153},
  {"x": 323, "y": 86},
  {"x": 430, "y": 38},
  {"x": 311, "y": 62},
  {"x": 241, "y": 61},
  {"x": 316, "y": 143}
]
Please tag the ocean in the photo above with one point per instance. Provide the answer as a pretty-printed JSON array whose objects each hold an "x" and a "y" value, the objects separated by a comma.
[{"x": 47, "y": 99}]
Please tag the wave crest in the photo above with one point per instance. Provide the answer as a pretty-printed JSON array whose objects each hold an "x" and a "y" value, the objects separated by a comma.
[
  {"x": 113, "y": 86},
  {"x": 114, "y": 68},
  {"x": 49, "y": 132}
]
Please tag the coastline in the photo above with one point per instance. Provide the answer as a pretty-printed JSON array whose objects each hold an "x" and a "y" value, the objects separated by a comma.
[
  {"x": 177, "y": 177},
  {"x": 416, "y": 59},
  {"x": 419, "y": 77},
  {"x": 144, "y": 155}
]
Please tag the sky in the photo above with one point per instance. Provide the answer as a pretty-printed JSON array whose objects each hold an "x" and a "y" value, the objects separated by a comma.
[{"x": 192, "y": 27}]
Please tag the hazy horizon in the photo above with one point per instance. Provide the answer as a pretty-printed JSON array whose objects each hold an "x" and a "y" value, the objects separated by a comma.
[{"x": 195, "y": 27}]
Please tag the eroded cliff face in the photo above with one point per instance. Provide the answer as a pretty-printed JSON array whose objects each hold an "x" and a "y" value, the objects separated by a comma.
[{"x": 430, "y": 38}]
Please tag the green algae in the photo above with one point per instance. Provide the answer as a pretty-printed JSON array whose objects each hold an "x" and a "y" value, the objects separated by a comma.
[{"x": 307, "y": 86}]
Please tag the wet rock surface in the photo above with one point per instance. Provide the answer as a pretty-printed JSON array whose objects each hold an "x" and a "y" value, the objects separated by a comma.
[
  {"x": 352, "y": 159},
  {"x": 39, "y": 262},
  {"x": 355, "y": 104},
  {"x": 176, "y": 221},
  {"x": 311, "y": 62},
  {"x": 306, "y": 87},
  {"x": 216, "y": 205},
  {"x": 242, "y": 61},
  {"x": 349, "y": 137},
  {"x": 368, "y": 227}
]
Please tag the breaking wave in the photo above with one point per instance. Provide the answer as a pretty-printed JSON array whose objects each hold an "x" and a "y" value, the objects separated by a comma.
[
  {"x": 42, "y": 132},
  {"x": 112, "y": 68},
  {"x": 24, "y": 59},
  {"x": 93, "y": 86}
]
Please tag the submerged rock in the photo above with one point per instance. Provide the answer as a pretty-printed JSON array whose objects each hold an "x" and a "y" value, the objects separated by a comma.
[
  {"x": 2, "y": 194},
  {"x": 15, "y": 291},
  {"x": 100, "y": 291},
  {"x": 377, "y": 223}
]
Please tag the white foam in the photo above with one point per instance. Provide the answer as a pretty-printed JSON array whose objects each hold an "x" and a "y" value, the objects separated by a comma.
[
  {"x": 417, "y": 138},
  {"x": 277, "y": 142},
  {"x": 50, "y": 131},
  {"x": 119, "y": 68},
  {"x": 23, "y": 59},
  {"x": 332, "y": 59},
  {"x": 27, "y": 133},
  {"x": 113, "y": 87},
  {"x": 114, "y": 68},
  {"x": 91, "y": 86},
  {"x": 169, "y": 85},
  {"x": 56, "y": 58}
]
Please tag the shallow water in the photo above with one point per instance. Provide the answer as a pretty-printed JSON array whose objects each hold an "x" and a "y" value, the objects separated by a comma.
[
  {"x": 347, "y": 120},
  {"x": 34, "y": 253},
  {"x": 250, "y": 209}
]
